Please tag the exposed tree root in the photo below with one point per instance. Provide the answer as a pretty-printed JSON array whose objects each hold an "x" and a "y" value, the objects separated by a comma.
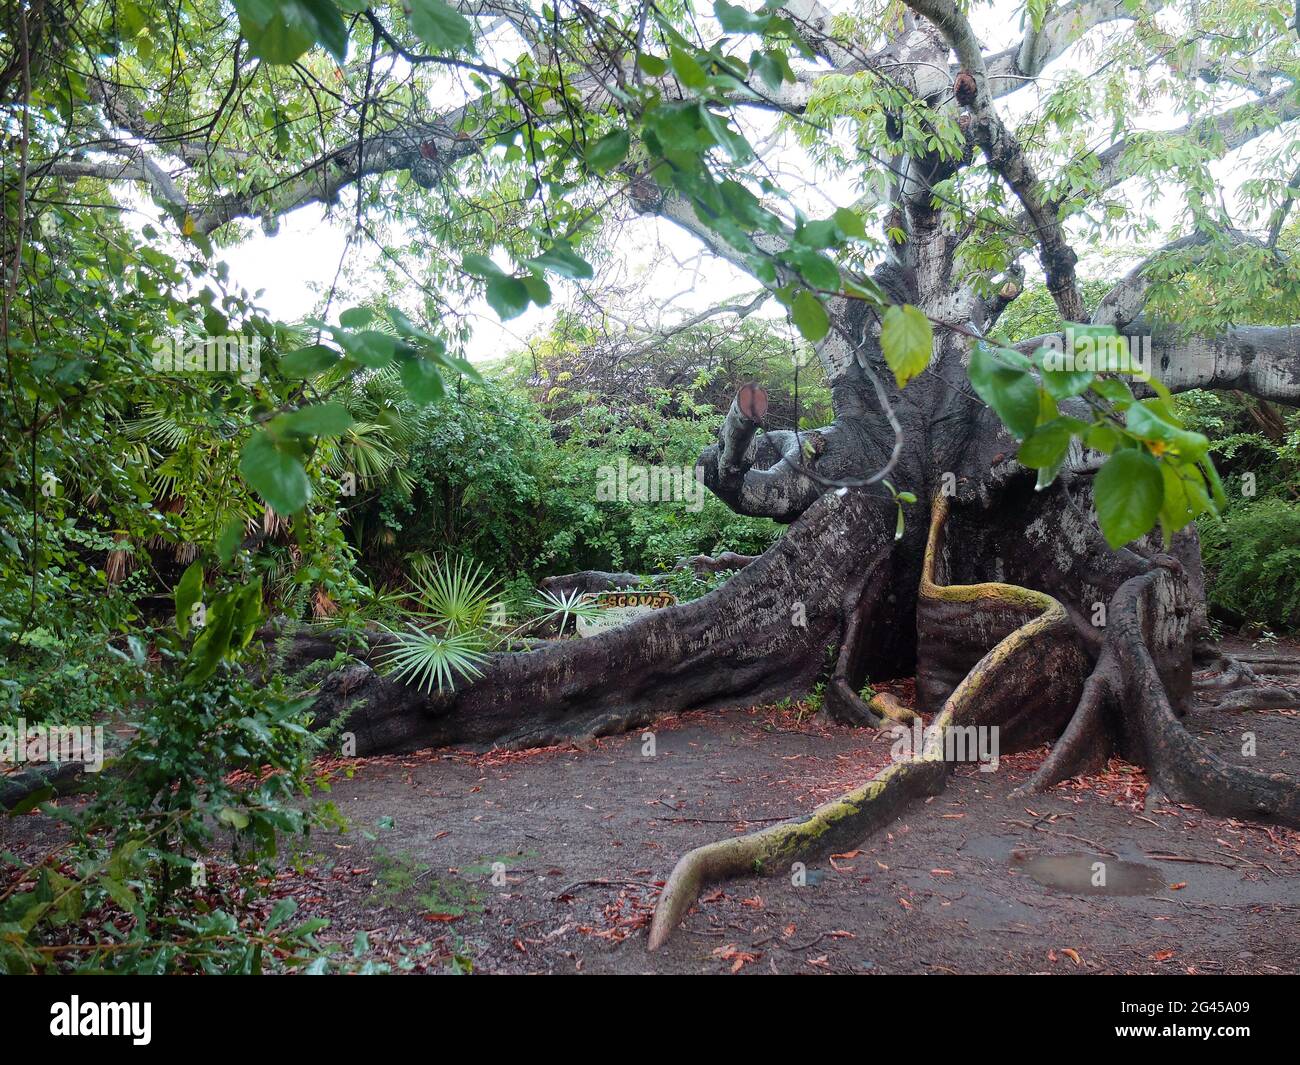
[
  {"x": 1180, "y": 764},
  {"x": 887, "y": 705},
  {"x": 998, "y": 691},
  {"x": 832, "y": 826},
  {"x": 1261, "y": 696},
  {"x": 722, "y": 563},
  {"x": 1086, "y": 743},
  {"x": 1226, "y": 671},
  {"x": 841, "y": 702}
]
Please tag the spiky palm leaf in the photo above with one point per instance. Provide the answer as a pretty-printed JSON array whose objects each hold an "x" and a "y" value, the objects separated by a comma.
[
  {"x": 563, "y": 605},
  {"x": 428, "y": 659},
  {"x": 457, "y": 596},
  {"x": 367, "y": 450}
]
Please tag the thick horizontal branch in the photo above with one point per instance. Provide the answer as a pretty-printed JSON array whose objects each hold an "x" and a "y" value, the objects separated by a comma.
[
  {"x": 1261, "y": 360},
  {"x": 135, "y": 167},
  {"x": 1228, "y": 130},
  {"x": 1123, "y": 303}
]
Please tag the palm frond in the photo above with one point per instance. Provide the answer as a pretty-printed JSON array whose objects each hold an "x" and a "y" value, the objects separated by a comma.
[
  {"x": 161, "y": 428},
  {"x": 427, "y": 660},
  {"x": 457, "y": 595},
  {"x": 548, "y": 606}
]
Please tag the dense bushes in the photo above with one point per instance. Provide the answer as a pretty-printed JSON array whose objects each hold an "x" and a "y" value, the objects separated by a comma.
[
  {"x": 1252, "y": 551},
  {"x": 1253, "y": 558},
  {"x": 509, "y": 471}
]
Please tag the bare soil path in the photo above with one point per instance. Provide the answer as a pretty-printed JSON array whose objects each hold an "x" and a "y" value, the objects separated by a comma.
[
  {"x": 579, "y": 842},
  {"x": 550, "y": 860}
]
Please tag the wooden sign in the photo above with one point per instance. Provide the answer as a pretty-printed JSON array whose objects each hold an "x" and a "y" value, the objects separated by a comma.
[{"x": 618, "y": 608}]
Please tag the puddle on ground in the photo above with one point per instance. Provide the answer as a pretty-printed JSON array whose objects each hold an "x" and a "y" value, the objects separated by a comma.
[{"x": 1089, "y": 874}]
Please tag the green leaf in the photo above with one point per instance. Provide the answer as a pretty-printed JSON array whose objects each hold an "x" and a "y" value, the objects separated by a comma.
[
  {"x": 276, "y": 476},
  {"x": 815, "y": 268},
  {"x": 480, "y": 265},
  {"x": 422, "y": 380},
  {"x": 1002, "y": 380},
  {"x": 1115, "y": 392},
  {"x": 1185, "y": 497},
  {"x": 688, "y": 71},
  {"x": 1216, "y": 484},
  {"x": 867, "y": 289},
  {"x": 320, "y": 419},
  {"x": 768, "y": 69},
  {"x": 189, "y": 589},
  {"x": 561, "y": 259},
  {"x": 232, "y": 817},
  {"x": 1101, "y": 436},
  {"x": 1128, "y": 492},
  {"x": 356, "y": 317},
  {"x": 850, "y": 224},
  {"x": 232, "y": 534},
  {"x": 907, "y": 341},
  {"x": 605, "y": 154},
  {"x": 280, "y": 32},
  {"x": 1146, "y": 419},
  {"x": 440, "y": 26},
  {"x": 735, "y": 19},
  {"x": 327, "y": 26},
  {"x": 119, "y": 893},
  {"x": 652, "y": 64},
  {"x": 308, "y": 362},
  {"x": 280, "y": 912},
  {"x": 810, "y": 316},
  {"x": 213, "y": 641},
  {"x": 538, "y": 290},
  {"x": 369, "y": 347},
  {"x": 1047, "y": 445},
  {"x": 274, "y": 33},
  {"x": 508, "y": 296},
  {"x": 247, "y": 611},
  {"x": 723, "y": 135},
  {"x": 1060, "y": 383}
]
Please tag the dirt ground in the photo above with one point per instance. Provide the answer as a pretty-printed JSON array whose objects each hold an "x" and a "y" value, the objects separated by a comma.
[
  {"x": 550, "y": 861},
  {"x": 580, "y": 841}
]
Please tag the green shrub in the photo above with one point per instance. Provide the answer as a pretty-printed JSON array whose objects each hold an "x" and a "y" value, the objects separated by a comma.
[{"x": 1252, "y": 561}]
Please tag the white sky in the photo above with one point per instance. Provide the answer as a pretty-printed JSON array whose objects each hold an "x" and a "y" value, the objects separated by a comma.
[{"x": 302, "y": 258}]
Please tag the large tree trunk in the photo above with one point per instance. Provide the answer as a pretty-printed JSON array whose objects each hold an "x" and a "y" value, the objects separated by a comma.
[{"x": 1005, "y": 602}]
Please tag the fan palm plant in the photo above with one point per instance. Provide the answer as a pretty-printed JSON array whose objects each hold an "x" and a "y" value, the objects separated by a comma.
[
  {"x": 457, "y": 596},
  {"x": 454, "y": 638},
  {"x": 548, "y": 606},
  {"x": 428, "y": 659}
]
